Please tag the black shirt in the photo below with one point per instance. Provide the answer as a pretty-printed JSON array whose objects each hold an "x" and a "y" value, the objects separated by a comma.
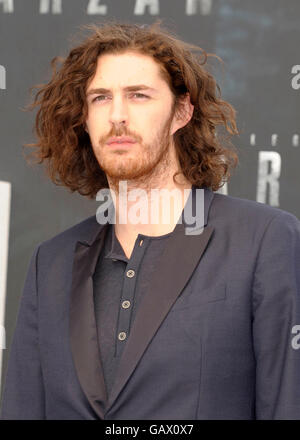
[{"x": 119, "y": 284}]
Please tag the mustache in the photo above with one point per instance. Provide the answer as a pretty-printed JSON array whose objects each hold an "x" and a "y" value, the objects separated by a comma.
[{"x": 120, "y": 131}]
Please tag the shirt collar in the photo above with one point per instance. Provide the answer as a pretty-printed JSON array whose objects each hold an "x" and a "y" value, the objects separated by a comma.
[{"x": 115, "y": 250}]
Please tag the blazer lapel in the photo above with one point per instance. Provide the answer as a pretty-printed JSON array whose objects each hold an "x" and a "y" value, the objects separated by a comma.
[
  {"x": 177, "y": 263},
  {"x": 83, "y": 329}
]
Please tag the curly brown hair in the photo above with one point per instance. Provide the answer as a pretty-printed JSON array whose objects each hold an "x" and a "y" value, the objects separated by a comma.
[{"x": 64, "y": 145}]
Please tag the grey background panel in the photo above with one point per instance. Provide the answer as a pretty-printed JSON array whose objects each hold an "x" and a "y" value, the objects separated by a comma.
[{"x": 259, "y": 43}]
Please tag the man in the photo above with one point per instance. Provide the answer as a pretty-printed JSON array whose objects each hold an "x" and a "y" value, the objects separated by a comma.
[{"x": 144, "y": 320}]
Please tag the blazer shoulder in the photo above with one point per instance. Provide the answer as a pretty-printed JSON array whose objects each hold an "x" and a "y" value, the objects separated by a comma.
[
  {"x": 248, "y": 210},
  {"x": 83, "y": 231}
]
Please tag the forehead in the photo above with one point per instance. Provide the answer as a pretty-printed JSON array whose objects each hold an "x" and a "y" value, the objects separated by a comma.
[{"x": 126, "y": 69}]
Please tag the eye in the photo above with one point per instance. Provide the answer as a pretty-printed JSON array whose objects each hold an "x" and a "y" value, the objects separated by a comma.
[
  {"x": 99, "y": 98},
  {"x": 140, "y": 95}
]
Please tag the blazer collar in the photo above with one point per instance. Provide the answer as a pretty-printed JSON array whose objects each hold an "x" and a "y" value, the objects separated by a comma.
[{"x": 177, "y": 268}]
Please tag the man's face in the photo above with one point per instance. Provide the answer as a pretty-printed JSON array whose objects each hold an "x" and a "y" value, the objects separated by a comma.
[{"x": 130, "y": 116}]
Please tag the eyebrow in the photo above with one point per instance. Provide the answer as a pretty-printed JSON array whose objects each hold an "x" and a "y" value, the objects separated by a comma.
[{"x": 134, "y": 88}]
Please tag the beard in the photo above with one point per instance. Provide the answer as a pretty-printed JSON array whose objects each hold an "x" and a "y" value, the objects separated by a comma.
[{"x": 148, "y": 164}]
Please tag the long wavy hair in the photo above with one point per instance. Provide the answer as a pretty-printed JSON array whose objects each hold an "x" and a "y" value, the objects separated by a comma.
[{"x": 205, "y": 155}]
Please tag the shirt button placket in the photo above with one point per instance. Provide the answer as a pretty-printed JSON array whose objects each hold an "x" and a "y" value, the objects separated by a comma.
[
  {"x": 128, "y": 292},
  {"x": 122, "y": 335}
]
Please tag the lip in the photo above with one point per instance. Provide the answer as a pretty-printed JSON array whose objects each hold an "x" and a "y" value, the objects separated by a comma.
[
  {"x": 121, "y": 140},
  {"x": 121, "y": 144}
]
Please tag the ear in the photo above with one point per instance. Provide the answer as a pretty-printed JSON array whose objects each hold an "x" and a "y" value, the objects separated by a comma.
[
  {"x": 183, "y": 113},
  {"x": 86, "y": 128}
]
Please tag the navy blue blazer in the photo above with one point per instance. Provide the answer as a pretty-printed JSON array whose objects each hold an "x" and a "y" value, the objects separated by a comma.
[{"x": 217, "y": 335}]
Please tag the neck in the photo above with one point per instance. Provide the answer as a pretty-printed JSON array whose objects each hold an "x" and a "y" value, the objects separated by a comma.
[{"x": 148, "y": 209}]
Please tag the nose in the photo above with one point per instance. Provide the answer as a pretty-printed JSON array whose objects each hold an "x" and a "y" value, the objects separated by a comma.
[{"x": 118, "y": 111}]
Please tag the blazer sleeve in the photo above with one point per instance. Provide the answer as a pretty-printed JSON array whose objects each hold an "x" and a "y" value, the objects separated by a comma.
[
  {"x": 23, "y": 395},
  {"x": 276, "y": 320}
]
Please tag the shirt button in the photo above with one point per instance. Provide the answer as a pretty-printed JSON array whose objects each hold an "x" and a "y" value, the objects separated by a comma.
[
  {"x": 130, "y": 273},
  {"x": 122, "y": 336},
  {"x": 125, "y": 304}
]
